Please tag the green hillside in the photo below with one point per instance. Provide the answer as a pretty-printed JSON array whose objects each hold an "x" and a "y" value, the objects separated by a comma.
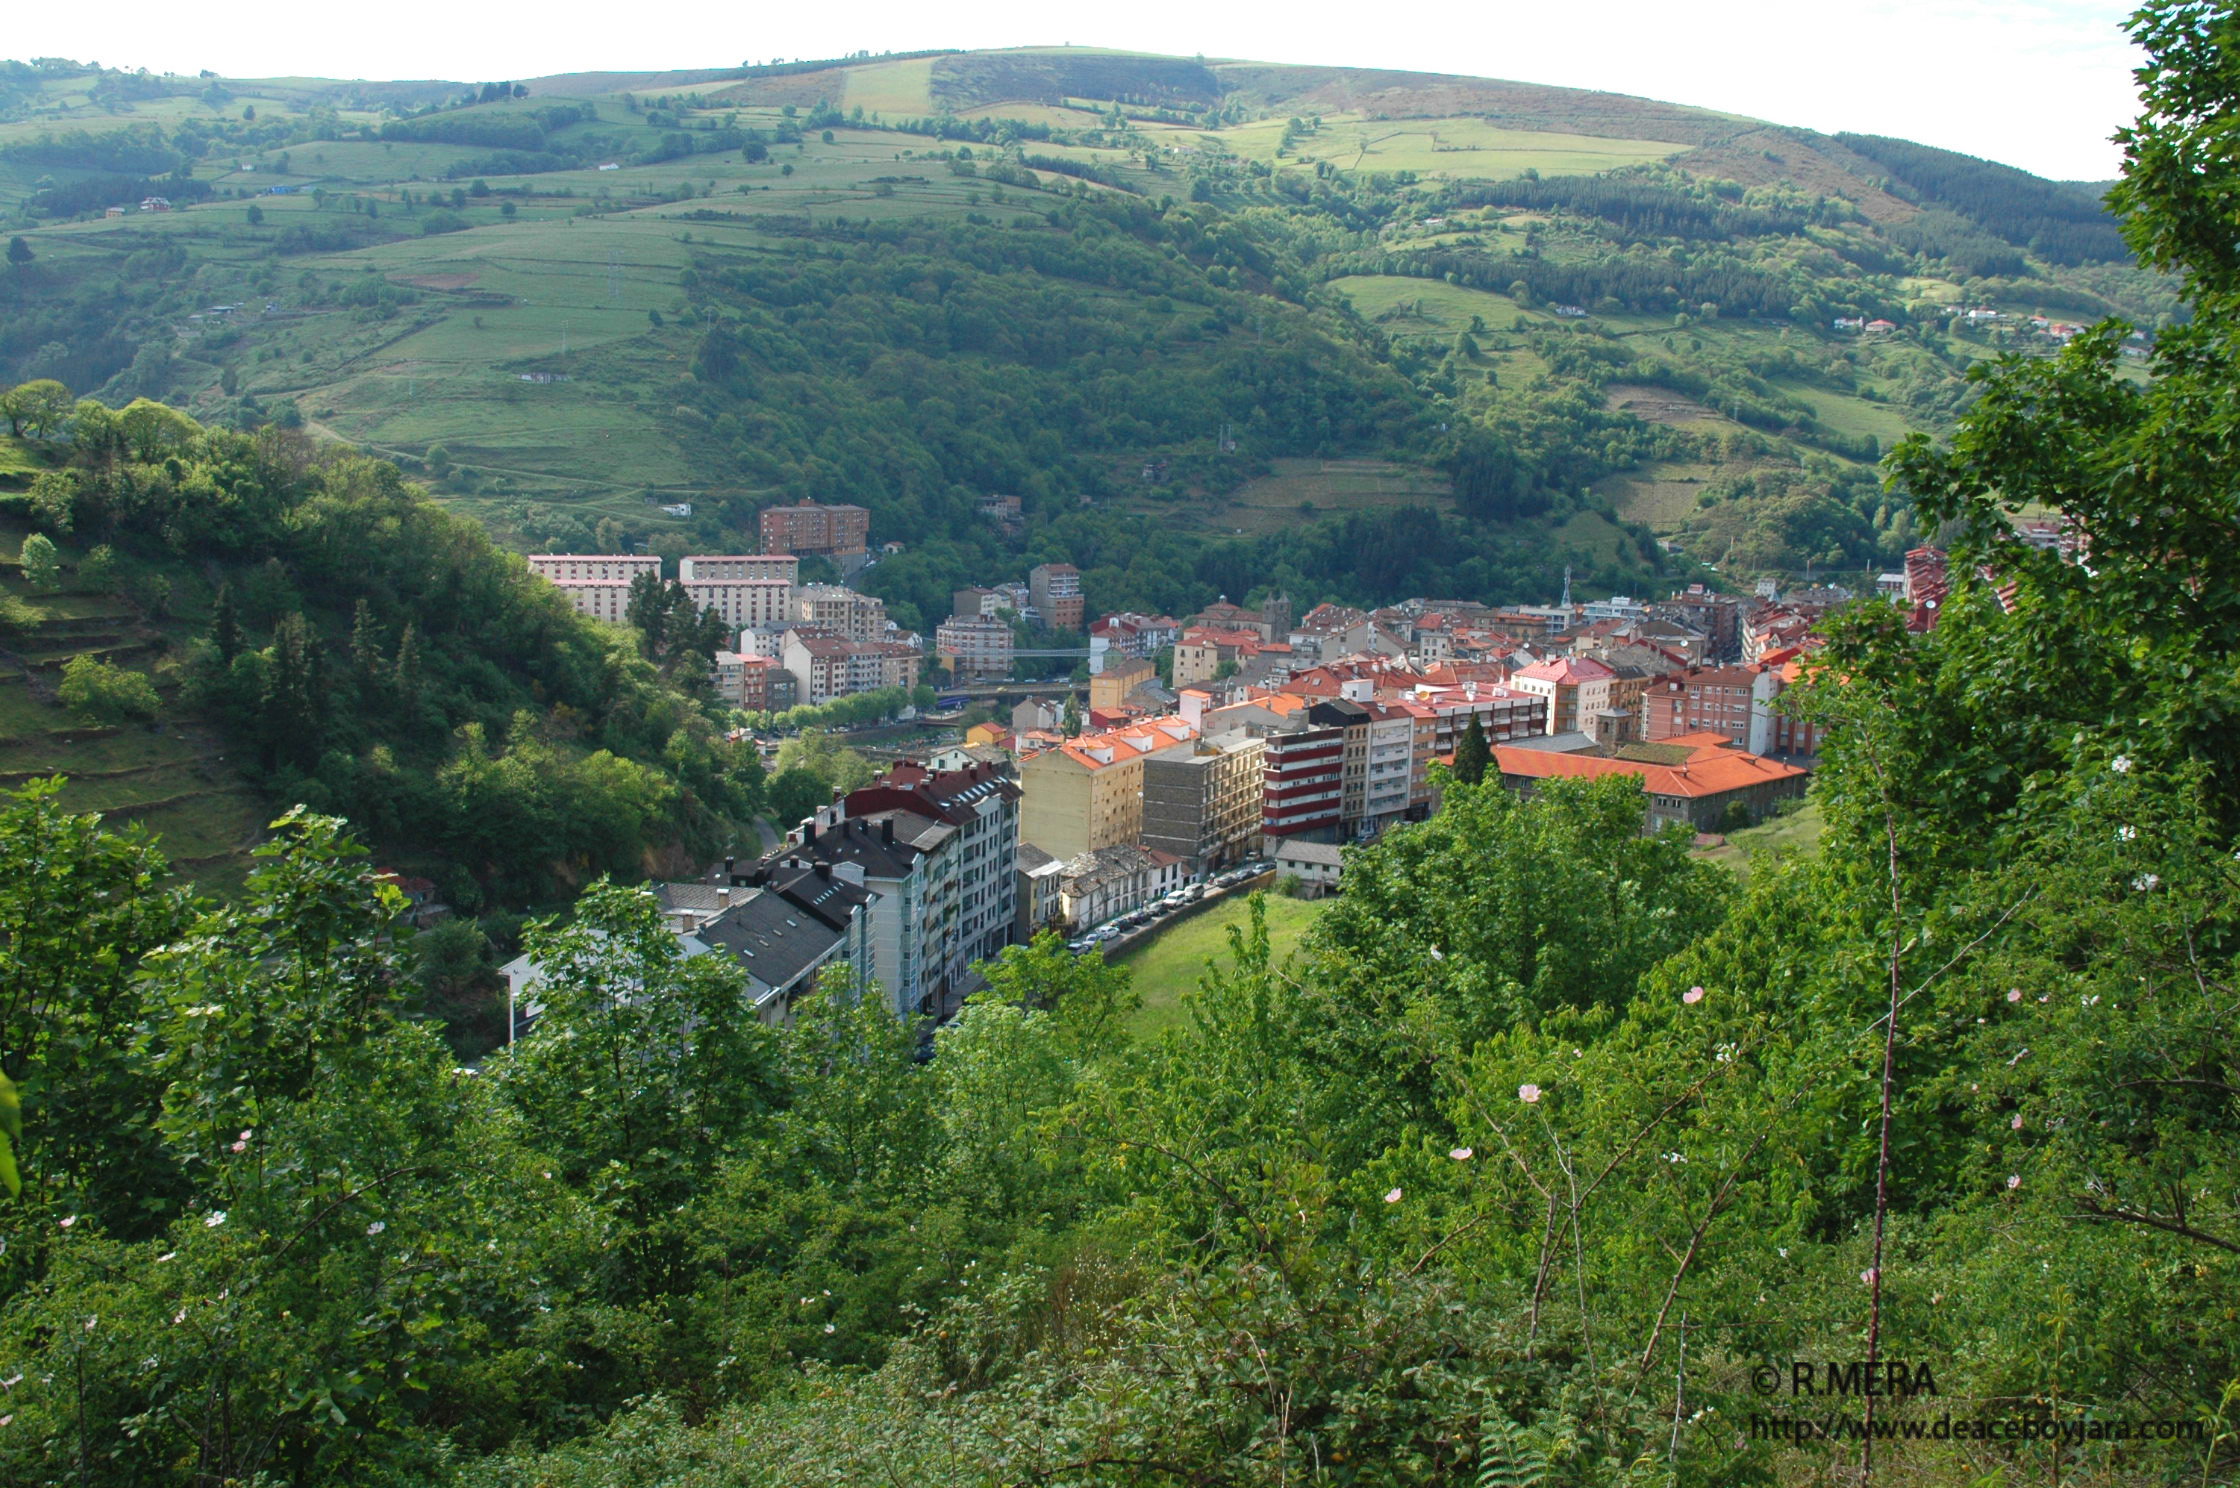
[
  {"x": 200, "y": 628},
  {"x": 569, "y": 302}
]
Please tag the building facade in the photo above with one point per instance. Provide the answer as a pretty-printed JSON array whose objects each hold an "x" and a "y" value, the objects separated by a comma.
[
  {"x": 1204, "y": 806},
  {"x": 1056, "y": 592},
  {"x": 1088, "y": 792},
  {"x": 837, "y": 531},
  {"x": 977, "y": 647}
]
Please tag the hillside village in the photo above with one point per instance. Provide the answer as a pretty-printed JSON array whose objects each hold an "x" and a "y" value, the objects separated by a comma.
[{"x": 1239, "y": 746}]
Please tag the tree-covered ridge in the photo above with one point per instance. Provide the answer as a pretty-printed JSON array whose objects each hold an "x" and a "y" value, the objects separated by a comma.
[
  {"x": 374, "y": 655},
  {"x": 2060, "y": 223}
]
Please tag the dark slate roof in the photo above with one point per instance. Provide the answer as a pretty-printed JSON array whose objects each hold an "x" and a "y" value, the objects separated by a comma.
[{"x": 774, "y": 940}]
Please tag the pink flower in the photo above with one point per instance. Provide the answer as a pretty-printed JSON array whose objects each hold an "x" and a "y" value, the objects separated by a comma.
[
  {"x": 1392, "y": 1197},
  {"x": 241, "y": 1146},
  {"x": 1869, "y": 1275},
  {"x": 69, "y": 1220},
  {"x": 2014, "y": 994},
  {"x": 2014, "y": 1180},
  {"x": 1459, "y": 1154},
  {"x": 2017, "y": 1122},
  {"x": 1693, "y": 994},
  {"x": 1529, "y": 1094}
]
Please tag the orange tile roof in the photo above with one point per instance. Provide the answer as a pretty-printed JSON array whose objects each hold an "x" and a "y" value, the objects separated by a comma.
[
  {"x": 1713, "y": 769},
  {"x": 1117, "y": 746}
]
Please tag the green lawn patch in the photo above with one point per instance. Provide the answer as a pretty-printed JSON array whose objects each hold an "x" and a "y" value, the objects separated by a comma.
[{"x": 1173, "y": 959}]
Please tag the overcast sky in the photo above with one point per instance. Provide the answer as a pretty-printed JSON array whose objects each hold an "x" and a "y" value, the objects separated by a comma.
[{"x": 2036, "y": 83}]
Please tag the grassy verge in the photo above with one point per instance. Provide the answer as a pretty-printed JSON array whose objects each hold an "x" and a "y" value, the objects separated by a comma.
[{"x": 1172, "y": 960}]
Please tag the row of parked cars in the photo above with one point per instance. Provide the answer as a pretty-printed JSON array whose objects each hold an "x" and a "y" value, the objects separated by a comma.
[{"x": 1159, "y": 909}]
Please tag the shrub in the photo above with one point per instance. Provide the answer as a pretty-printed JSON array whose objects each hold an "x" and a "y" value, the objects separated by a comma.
[{"x": 95, "y": 690}]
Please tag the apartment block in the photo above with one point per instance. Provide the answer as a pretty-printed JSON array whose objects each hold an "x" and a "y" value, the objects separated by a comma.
[
  {"x": 1056, "y": 591},
  {"x": 841, "y": 610},
  {"x": 977, "y": 647},
  {"x": 733, "y": 568},
  {"x": 596, "y": 584},
  {"x": 1088, "y": 792},
  {"x": 1303, "y": 779},
  {"x": 837, "y": 531},
  {"x": 1204, "y": 806}
]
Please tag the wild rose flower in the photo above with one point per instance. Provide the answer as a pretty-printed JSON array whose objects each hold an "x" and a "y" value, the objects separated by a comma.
[
  {"x": 241, "y": 1146},
  {"x": 1869, "y": 1275},
  {"x": 2017, "y": 1122},
  {"x": 217, "y": 1217},
  {"x": 1529, "y": 1094},
  {"x": 2014, "y": 1180},
  {"x": 2014, "y": 994},
  {"x": 1693, "y": 994},
  {"x": 68, "y": 1220},
  {"x": 1393, "y": 1197},
  {"x": 1459, "y": 1154}
]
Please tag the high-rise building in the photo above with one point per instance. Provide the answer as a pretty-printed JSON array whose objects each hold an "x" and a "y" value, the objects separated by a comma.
[
  {"x": 1056, "y": 592},
  {"x": 1203, "y": 806},
  {"x": 1303, "y": 778},
  {"x": 836, "y": 531},
  {"x": 977, "y": 647}
]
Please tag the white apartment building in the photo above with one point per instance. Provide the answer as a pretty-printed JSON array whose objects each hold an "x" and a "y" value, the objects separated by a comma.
[
  {"x": 747, "y": 604},
  {"x": 596, "y": 584}
]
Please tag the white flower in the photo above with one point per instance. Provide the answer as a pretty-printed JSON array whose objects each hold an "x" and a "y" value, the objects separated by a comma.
[
  {"x": 1393, "y": 1197},
  {"x": 1437, "y": 954},
  {"x": 6, "y": 1420},
  {"x": 2014, "y": 994},
  {"x": 1529, "y": 1094},
  {"x": 1784, "y": 1252},
  {"x": 169, "y": 1255},
  {"x": 91, "y": 1321},
  {"x": 1459, "y": 1154},
  {"x": 377, "y": 1227},
  {"x": 2126, "y": 834},
  {"x": 2121, "y": 764},
  {"x": 828, "y": 1327},
  {"x": 69, "y": 1220},
  {"x": 2014, "y": 1180},
  {"x": 2146, "y": 882},
  {"x": 178, "y": 1317},
  {"x": 217, "y": 1217}
]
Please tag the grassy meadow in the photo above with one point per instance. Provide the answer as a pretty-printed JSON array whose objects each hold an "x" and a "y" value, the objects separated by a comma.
[{"x": 1173, "y": 958}]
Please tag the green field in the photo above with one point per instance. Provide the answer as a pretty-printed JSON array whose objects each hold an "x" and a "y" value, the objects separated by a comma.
[
  {"x": 1452, "y": 147},
  {"x": 1172, "y": 960}
]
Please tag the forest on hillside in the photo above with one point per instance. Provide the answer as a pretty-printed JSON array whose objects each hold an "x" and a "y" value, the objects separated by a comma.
[
  {"x": 374, "y": 656},
  {"x": 1551, "y": 1144}
]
